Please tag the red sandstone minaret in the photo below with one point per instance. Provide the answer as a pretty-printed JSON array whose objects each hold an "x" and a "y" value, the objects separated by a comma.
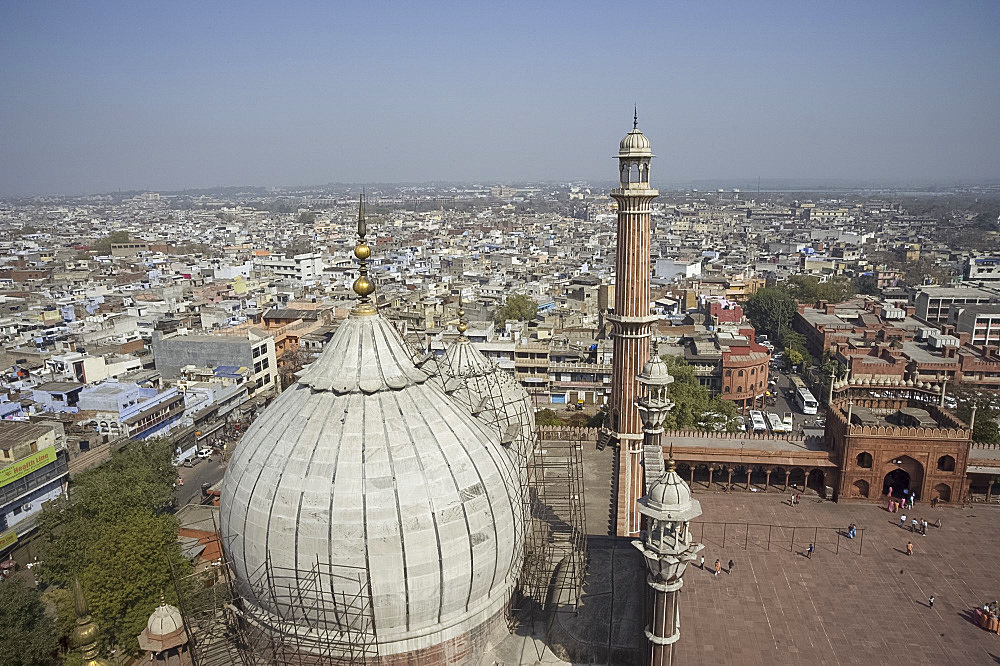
[{"x": 631, "y": 318}]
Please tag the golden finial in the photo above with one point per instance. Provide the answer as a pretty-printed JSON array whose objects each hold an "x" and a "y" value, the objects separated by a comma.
[
  {"x": 363, "y": 285},
  {"x": 671, "y": 463},
  {"x": 85, "y": 634},
  {"x": 462, "y": 325}
]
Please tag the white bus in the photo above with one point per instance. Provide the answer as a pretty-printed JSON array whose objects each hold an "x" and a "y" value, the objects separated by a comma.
[
  {"x": 788, "y": 421},
  {"x": 803, "y": 396},
  {"x": 757, "y": 419},
  {"x": 777, "y": 425}
]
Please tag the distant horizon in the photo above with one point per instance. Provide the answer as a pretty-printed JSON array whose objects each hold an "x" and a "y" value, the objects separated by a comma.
[
  {"x": 112, "y": 95},
  {"x": 708, "y": 185}
]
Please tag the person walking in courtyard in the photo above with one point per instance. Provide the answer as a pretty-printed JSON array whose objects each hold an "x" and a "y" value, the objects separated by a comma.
[
  {"x": 731, "y": 565},
  {"x": 702, "y": 562},
  {"x": 909, "y": 548},
  {"x": 923, "y": 526},
  {"x": 930, "y": 602},
  {"x": 718, "y": 567},
  {"x": 913, "y": 525},
  {"x": 902, "y": 522},
  {"x": 809, "y": 551}
]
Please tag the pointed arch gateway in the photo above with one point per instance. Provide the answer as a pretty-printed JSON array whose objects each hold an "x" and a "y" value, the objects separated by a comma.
[{"x": 902, "y": 473}]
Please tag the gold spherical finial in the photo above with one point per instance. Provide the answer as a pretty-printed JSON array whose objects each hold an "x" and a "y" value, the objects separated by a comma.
[
  {"x": 362, "y": 251},
  {"x": 462, "y": 328},
  {"x": 363, "y": 286}
]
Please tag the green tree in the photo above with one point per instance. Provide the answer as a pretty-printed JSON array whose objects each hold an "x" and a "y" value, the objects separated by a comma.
[
  {"x": 27, "y": 634},
  {"x": 809, "y": 289},
  {"x": 794, "y": 356},
  {"x": 306, "y": 217},
  {"x": 867, "y": 285},
  {"x": 985, "y": 429},
  {"x": 129, "y": 567},
  {"x": 517, "y": 307},
  {"x": 547, "y": 417},
  {"x": 694, "y": 408},
  {"x": 770, "y": 311},
  {"x": 117, "y": 533}
]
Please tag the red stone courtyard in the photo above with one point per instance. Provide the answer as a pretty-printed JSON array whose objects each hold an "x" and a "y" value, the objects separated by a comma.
[{"x": 779, "y": 607}]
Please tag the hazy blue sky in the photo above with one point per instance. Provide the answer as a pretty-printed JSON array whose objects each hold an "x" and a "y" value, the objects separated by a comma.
[{"x": 96, "y": 96}]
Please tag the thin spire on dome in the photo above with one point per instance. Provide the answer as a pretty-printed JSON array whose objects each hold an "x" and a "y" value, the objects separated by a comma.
[
  {"x": 363, "y": 285},
  {"x": 85, "y": 634},
  {"x": 635, "y": 118},
  {"x": 671, "y": 463}
]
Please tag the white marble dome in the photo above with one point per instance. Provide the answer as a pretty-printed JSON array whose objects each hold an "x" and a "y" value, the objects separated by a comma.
[
  {"x": 634, "y": 144},
  {"x": 488, "y": 391},
  {"x": 365, "y": 463},
  {"x": 165, "y": 620},
  {"x": 669, "y": 497}
]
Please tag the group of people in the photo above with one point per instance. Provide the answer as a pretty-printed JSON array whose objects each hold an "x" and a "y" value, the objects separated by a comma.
[
  {"x": 718, "y": 566},
  {"x": 988, "y": 616},
  {"x": 903, "y": 503},
  {"x": 915, "y": 525}
]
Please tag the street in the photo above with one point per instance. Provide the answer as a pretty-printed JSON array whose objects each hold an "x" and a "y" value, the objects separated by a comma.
[
  {"x": 207, "y": 471},
  {"x": 783, "y": 404}
]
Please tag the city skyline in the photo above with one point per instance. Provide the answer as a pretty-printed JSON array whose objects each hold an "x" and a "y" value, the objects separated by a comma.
[{"x": 113, "y": 96}]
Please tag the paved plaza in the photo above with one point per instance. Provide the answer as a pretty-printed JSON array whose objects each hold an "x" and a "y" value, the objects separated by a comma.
[{"x": 839, "y": 608}]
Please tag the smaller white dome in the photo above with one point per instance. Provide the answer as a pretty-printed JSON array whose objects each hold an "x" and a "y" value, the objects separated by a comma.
[
  {"x": 635, "y": 144},
  {"x": 669, "y": 492},
  {"x": 655, "y": 372},
  {"x": 669, "y": 498},
  {"x": 164, "y": 621}
]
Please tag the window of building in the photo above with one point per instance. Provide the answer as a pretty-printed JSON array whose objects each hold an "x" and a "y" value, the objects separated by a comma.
[
  {"x": 265, "y": 364},
  {"x": 740, "y": 374},
  {"x": 946, "y": 464},
  {"x": 267, "y": 378},
  {"x": 865, "y": 460},
  {"x": 729, "y": 373},
  {"x": 256, "y": 367}
]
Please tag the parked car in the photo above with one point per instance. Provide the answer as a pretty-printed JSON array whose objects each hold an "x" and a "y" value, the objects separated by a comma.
[{"x": 204, "y": 453}]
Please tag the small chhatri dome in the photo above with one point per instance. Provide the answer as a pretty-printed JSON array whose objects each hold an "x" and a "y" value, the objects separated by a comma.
[
  {"x": 164, "y": 632},
  {"x": 655, "y": 372},
  {"x": 635, "y": 143},
  {"x": 164, "y": 621},
  {"x": 669, "y": 497}
]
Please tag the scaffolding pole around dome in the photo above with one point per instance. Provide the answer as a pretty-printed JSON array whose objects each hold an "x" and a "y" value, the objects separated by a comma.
[
  {"x": 555, "y": 557},
  {"x": 336, "y": 602}
]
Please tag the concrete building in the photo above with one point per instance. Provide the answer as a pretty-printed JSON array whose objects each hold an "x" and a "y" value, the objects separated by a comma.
[
  {"x": 33, "y": 470},
  {"x": 300, "y": 269},
  {"x": 933, "y": 304},
  {"x": 980, "y": 322},
  {"x": 676, "y": 269},
  {"x": 983, "y": 270},
  {"x": 255, "y": 352}
]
